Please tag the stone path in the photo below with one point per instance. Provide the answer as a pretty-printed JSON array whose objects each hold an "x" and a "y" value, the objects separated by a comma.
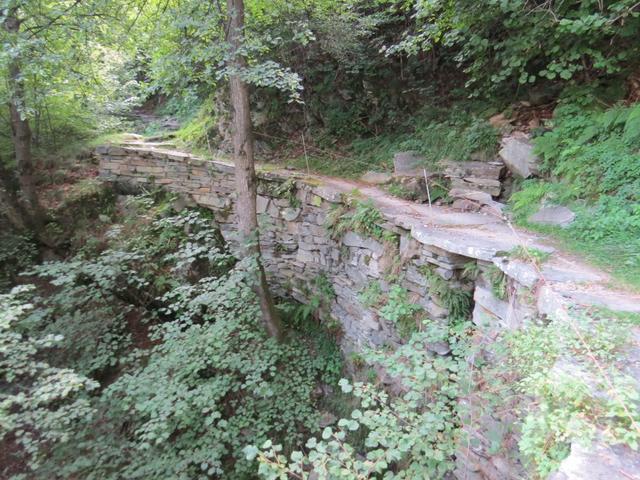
[
  {"x": 478, "y": 235},
  {"x": 489, "y": 237}
]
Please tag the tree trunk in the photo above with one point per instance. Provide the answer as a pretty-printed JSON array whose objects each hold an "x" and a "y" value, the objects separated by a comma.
[
  {"x": 21, "y": 136},
  {"x": 9, "y": 204},
  {"x": 244, "y": 168}
]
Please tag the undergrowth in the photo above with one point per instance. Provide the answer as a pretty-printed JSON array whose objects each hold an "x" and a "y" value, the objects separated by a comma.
[
  {"x": 161, "y": 303},
  {"x": 438, "y": 134},
  {"x": 595, "y": 155}
]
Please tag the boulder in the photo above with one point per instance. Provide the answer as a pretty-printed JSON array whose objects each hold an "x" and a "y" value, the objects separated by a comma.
[
  {"x": 408, "y": 163},
  {"x": 376, "y": 178},
  {"x": 517, "y": 154},
  {"x": 555, "y": 215}
]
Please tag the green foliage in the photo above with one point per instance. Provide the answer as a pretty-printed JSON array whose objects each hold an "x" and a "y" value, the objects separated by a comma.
[
  {"x": 17, "y": 253},
  {"x": 320, "y": 296},
  {"x": 530, "y": 254},
  {"x": 438, "y": 134},
  {"x": 357, "y": 216},
  {"x": 471, "y": 270},
  {"x": 407, "y": 436},
  {"x": 92, "y": 298},
  {"x": 574, "y": 40},
  {"x": 223, "y": 382},
  {"x": 44, "y": 403},
  {"x": 398, "y": 310},
  {"x": 399, "y": 190},
  {"x": 371, "y": 295},
  {"x": 569, "y": 366},
  {"x": 163, "y": 305},
  {"x": 286, "y": 190},
  {"x": 593, "y": 150},
  {"x": 455, "y": 299},
  {"x": 71, "y": 88},
  {"x": 199, "y": 132},
  {"x": 594, "y": 155},
  {"x": 498, "y": 281},
  {"x": 394, "y": 306}
]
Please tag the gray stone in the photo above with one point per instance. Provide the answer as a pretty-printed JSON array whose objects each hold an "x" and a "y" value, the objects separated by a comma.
[
  {"x": 522, "y": 272},
  {"x": 485, "y": 298},
  {"x": 556, "y": 215},
  {"x": 487, "y": 185},
  {"x": 328, "y": 193},
  {"x": 291, "y": 214},
  {"x": 408, "y": 163},
  {"x": 466, "y": 205},
  {"x": 481, "y": 198},
  {"x": 549, "y": 302},
  {"x": 441, "y": 348},
  {"x": 517, "y": 154},
  {"x": 352, "y": 239},
  {"x": 483, "y": 318},
  {"x": 262, "y": 204},
  {"x": 376, "y": 178},
  {"x": 409, "y": 248},
  {"x": 598, "y": 461},
  {"x": 486, "y": 170}
]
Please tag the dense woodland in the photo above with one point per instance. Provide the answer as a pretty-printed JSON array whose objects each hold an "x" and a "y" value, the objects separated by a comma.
[{"x": 134, "y": 344}]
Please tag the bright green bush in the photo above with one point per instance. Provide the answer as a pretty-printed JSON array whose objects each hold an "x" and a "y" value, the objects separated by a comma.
[
  {"x": 169, "y": 323},
  {"x": 412, "y": 435},
  {"x": 40, "y": 404}
]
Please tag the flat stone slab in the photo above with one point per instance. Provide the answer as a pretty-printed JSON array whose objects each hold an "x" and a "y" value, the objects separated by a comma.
[
  {"x": 556, "y": 215},
  {"x": 376, "y": 178},
  {"x": 596, "y": 296},
  {"x": 599, "y": 461},
  {"x": 408, "y": 163}
]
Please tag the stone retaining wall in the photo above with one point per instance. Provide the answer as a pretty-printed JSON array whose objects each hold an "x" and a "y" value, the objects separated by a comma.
[{"x": 298, "y": 249}]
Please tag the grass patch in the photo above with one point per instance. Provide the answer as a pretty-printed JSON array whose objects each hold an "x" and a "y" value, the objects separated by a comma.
[{"x": 595, "y": 156}]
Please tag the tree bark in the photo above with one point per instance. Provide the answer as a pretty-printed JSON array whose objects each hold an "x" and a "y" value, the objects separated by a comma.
[
  {"x": 21, "y": 135},
  {"x": 244, "y": 167},
  {"x": 9, "y": 204}
]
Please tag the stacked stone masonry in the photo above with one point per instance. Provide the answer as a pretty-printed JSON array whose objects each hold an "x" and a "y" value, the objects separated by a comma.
[{"x": 297, "y": 248}]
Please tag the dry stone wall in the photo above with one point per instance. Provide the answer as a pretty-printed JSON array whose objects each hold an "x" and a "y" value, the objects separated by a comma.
[{"x": 298, "y": 249}]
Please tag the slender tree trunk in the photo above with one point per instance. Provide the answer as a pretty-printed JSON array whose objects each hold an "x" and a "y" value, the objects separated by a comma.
[
  {"x": 21, "y": 135},
  {"x": 245, "y": 170},
  {"x": 9, "y": 204}
]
